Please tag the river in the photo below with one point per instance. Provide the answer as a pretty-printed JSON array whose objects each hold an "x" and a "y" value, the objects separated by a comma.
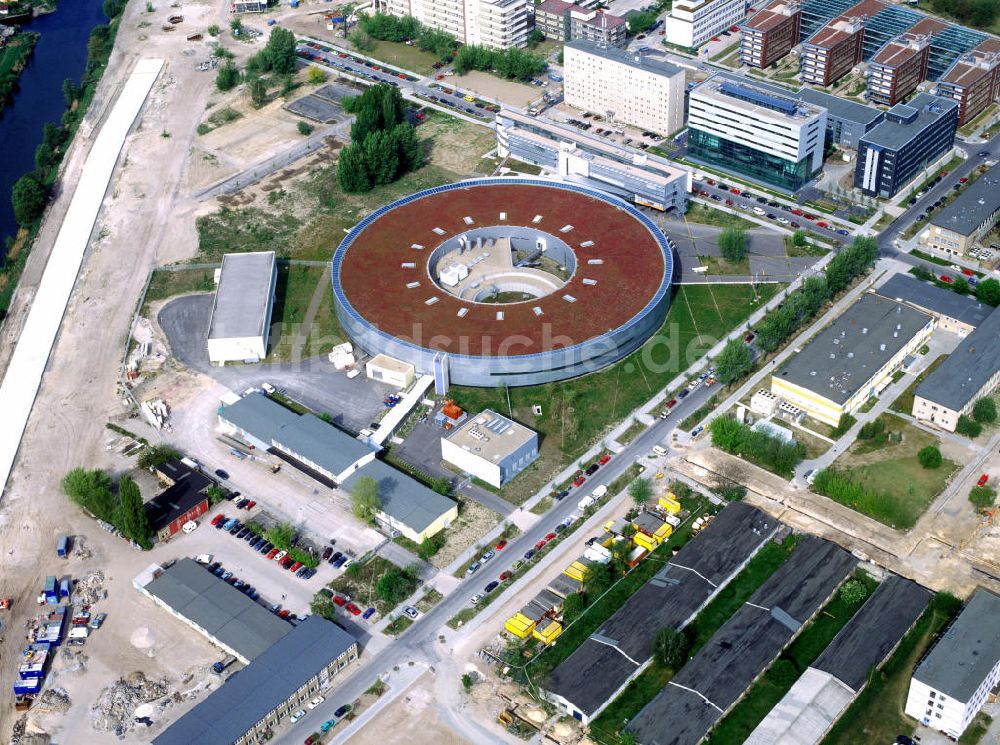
[{"x": 61, "y": 53}]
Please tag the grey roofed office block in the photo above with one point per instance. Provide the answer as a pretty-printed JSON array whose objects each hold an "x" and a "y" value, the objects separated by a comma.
[
  {"x": 965, "y": 372},
  {"x": 639, "y": 61},
  {"x": 973, "y": 207},
  {"x": 319, "y": 442},
  {"x": 909, "y": 289},
  {"x": 242, "y": 299},
  {"x": 589, "y": 677},
  {"x": 841, "y": 108},
  {"x": 266, "y": 683},
  {"x": 258, "y": 415},
  {"x": 403, "y": 498},
  {"x": 746, "y": 644},
  {"x": 905, "y": 121},
  {"x": 839, "y": 360},
  {"x": 967, "y": 651},
  {"x": 222, "y": 612}
]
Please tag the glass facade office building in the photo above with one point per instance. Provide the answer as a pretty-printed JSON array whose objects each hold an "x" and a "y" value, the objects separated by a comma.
[{"x": 751, "y": 162}]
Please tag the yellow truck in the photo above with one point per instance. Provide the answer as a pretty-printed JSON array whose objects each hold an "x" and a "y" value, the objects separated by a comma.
[{"x": 520, "y": 626}]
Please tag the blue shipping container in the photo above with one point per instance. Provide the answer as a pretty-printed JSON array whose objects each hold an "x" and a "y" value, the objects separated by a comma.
[
  {"x": 51, "y": 588},
  {"x": 64, "y": 588},
  {"x": 33, "y": 685},
  {"x": 63, "y": 548}
]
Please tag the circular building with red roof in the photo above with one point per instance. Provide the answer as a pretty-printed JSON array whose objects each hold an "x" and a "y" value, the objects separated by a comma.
[{"x": 503, "y": 281}]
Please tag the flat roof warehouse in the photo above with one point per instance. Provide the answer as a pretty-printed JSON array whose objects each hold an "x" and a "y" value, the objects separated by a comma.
[{"x": 241, "y": 302}]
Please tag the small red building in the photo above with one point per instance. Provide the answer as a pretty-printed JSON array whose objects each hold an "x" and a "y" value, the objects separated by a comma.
[{"x": 183, "y": 500}]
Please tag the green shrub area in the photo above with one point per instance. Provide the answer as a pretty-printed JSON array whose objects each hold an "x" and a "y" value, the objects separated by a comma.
[{"x": 766, "y": 451}]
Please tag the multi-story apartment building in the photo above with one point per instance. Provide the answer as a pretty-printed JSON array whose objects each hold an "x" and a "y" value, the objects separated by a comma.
[
  {"x": 770, "y": 34},
  {"x": 911, "y": 137},
  {"x": 973, "y": 80},
  {"x": 898, "y": 68},
  {"x": 691, "y": 23},
  {"x": 755, "y": 131},
  {"x": 624, "y": 86},
  {"x": 565, "y": 21},
  {"x": 498, "y": 24},
  {"x": 951, "y": 683},
  {"x": 832, "y": 51}
]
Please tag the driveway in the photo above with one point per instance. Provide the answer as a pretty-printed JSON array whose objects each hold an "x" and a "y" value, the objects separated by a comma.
[{"x": 353, "y": 404}]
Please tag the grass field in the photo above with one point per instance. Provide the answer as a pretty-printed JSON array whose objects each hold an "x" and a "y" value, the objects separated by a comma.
[
  {"x": 644, "y": 688},
  {"x": 904, "y": 401},
  {"x": 876, "y": 716},
  {"x": 717, "y": 265},
  {"x": 399, "y": 54},
  {"x": 577, "y": 413},
  {"x": 704, "y": 215},
  {"x": 166, "y": 283},
  {"x": 778, "y": 679},
  {"x": 295, "y": 290}
]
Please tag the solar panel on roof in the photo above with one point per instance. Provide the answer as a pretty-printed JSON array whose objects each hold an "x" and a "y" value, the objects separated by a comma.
[{"x": 752, "y": 95}]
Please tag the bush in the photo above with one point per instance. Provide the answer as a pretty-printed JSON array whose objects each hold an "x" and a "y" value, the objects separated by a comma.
[
  {"x": 670, "y": 648},
  {"x": 988, "y": 292},
  {"x": 839, "y": 486},
  {"x": 968, "y": 427},
  {"x": 854, "y": 592},
  {"x": 153, "y": 456},
  {"x": 91, "y": 489},
  {"x": 640, "y": 491},
  {"x": 304, "y": 128},
  {"x": 929, "y": 457},
  {"x": 510, "y": 63},
  {"x": 315, "y": 76},
  {"x": 28, "y": 196},
  {"x": 395, "y": 585},
  {"x": 733, "y": 244},
  {"x": 982, "y": 496},
  {"x": 430, "y": 546},
  {"x": 361, "y": 41},
  {"x": 984, "y": 411},
  {"x": 845, "y": 422},
  {"x": 873, "y": 430},
  {"x": 227, "y": 77},
  {"x": 757, "y": 447},
  {"x": 799, "y": 238},
  {"x": 733, "y": 493}
]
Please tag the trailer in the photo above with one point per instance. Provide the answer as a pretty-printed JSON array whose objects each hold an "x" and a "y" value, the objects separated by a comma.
[
  {"x": 64, "y": 587},
  {"x": 548, "y": 634},
  {"x": 51, "y": 590},
  {"x": 62, "y": 548}
]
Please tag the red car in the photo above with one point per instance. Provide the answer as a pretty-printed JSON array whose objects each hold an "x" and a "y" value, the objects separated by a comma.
[
  {"x": 272, "y": 553},
  {"x": 353, "y": 609},
  {"x": 822, "y": 224},
  {"x": 578, "y": 481},
  {"x": 797, "y": 212},
  {"x": 807, "y": 216},
  {"x": 734, "y": 190},
  {"x": 218, "y": 519},
  {"x": 284, "y": 613},
  {"x": 376, "y": 67},
  {"x": 504, "y": 576},
  {"x": 982, "y": 480},
  {"x": 550, "y": 536},
  {"x": 540, "y": 545},
  {"x": 671, "y": 403},
  {"x": 500, "y": 546},
  {"x": 249, "y": 505},
  {"x": 295, "y": 567},
  {"x": 342, "y": 55},
  {"x": 338, "y": 600},
  {"x": 946, "y": 279},
  {"x": 420, "y": 116},
  {"x": 963, "y": 180},
  {"x": 710, "y": 182},
  {"x": 604, "y": 459},
  {"x": 967, "y": 272},
  {"x": 943, "y": 174},
  {"x": 439, "y": 77}
]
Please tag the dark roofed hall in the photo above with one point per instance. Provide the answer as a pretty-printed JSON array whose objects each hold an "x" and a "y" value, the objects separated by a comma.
[
  {"x": 935, "y": 299},
  {"x": 746, "y": 644},
  {"x": 186, "y": 492},
  {"x": 971, "y": 366},
  {"x": 897, "y": 129},
  {"x": 254, "y": 692},
  {"x": 874, "y": 631},
  {"x": 590, "y": 676}
]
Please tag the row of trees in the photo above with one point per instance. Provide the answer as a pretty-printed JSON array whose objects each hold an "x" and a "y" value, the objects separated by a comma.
[
  {"x": 383, "y": 145},
  {"x": 986, "y": 291},
  {"x": 405, "y": 28},
  {"x": 93, "y": 490},
  {"x": 978, "y": 13},
  {"x": 510, "y": 63},
  {"x": 772, "y": 453},
  {"x": 839, "y": 486}
]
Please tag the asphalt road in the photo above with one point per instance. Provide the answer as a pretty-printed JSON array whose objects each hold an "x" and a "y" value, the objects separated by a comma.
[{"x": 420, "y": 642}]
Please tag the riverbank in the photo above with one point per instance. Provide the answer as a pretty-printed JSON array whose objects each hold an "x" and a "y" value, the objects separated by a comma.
[
  {"x": 45, "y": 175},
  {"x": 14, "y": 55}
]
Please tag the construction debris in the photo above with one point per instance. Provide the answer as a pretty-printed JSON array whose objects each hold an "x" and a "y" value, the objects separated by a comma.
[
  {"x": 116, "y": 706},
  {"x": 155, "y": 412},
  {"x": 90, "y": 588},
  {"x": 54, "y": 700},
  {"x": 26, "y": 733}
]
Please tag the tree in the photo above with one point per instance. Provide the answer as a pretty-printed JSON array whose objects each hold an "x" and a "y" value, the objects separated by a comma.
[
  {"x": 408, "y": 148},
  {"x": 961, "y": 286},
  {"x": 968, "y": 427},
  {"x": 236, "y": 26},
  {"x": 799, "y": 238},
  {"x": 640, "y": 490},
  {"x": 396, "y": 584},
  {"x": 91, "y": 489},
  {"x": 640, "y": 22},
  {"x": 442, "y": 485},
  {"x": 315, "y": 76},
  {"x": 381, "y": 156},
  {"x": 215, "y": 494},
  {"x": 227, "y": 77},
  {"x": 467, "y": 682},
  {"x": 153, "y": 456},
  {"x": 361, "y": 41},
  {"x": 853, "y": 592},
  {"x": 597, "y": 581},
  {"x": 430, "y": 546},
  {"x": 982, "y": 497},
  {"x": 988, "y": 291},
  {"x": 984, "y": 411},
  {"x": 573, "y": 606},
  {"x": 28, "y": 196},
  {"x": 929, "y": 457},
  {"x": 733, "y": 244},
  {"x": 258, "y": 92},
  {"x": 620, "y": 552},
  {"x": 70, "y": 91},
  {"x": 733, "y": 362},
  {"x": 132, "y": 515},
  {"x": 365, "y": 500},
  {"x": 670, "y": 648},
  {"x": 322, "y": 606},
  {"x": 352, "y": 170},
  {"x": 304, "y": 128},
  {"x": 535, "y": 38},
  {"x": 279, "y": 52}
]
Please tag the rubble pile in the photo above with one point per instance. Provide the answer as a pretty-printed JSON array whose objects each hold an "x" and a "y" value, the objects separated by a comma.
[
  {"x": 115, "y": 707},
  {"x": 89, "y": 588},
  {"x": 53, "y": 700},
  {"x": 25, "y": 734}
]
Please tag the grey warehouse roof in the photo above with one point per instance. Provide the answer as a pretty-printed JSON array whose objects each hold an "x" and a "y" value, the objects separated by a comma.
[
  {"x": 603, "y": 663},
  {"x": 632, "y": 59},
  {"x": 846, "y": 354},
  {"x": 841, "y": 108},
  {"x": 935, "y": 299},
  {"x": 243, "y": 295},
  {"x": 962, "y": 376},
  {"x": 225, "y": 613},
  {"x": 267, "y": 682},
  {"x": 306, "y": 436},
  {"x": 973, "y": 206},
  {"x": 967, "y": 651},
  {"x": 893, "y": 135},
  {"x": 403, "y": 498}
]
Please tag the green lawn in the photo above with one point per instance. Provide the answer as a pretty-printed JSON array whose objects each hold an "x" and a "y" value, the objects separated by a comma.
[
  {"x": 904, "y": 402},
  {"x": 705, "y": 215},
  {"x": 166, "y": 283},
  {"x": 294, "y": 292},
  {"x": 576, "y": 413},
  {"x": 399, "y": 54},
  {"x": 763, "y": 695},
  {"x": 644, "y": 688},
  {"x": 876, "y": 716},
  {"x": 718, "y": 265},
  {"x": 633, "y": 431}
]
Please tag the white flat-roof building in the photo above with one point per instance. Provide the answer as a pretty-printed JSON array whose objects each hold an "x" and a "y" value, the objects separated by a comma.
[
  {"x": 241, "y": 312},
  {"x": 624, "y": 86},
  {"x": 691, "y": 23},
  {"x": 386, "y": 369},
  {"x": 498, "y": 24},
  {"x": 491, "y": 447}
]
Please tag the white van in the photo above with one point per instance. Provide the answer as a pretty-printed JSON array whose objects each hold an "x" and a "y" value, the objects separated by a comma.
[
  {"x": 659, "y": 450},
  {"x": 586, "y": 502},
  {"x": 759, "y": 211},
  {"x": 190, "y": 526}
]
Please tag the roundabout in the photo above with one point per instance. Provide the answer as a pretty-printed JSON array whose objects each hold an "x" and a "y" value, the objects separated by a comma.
[{"x": 503, "y": 281}]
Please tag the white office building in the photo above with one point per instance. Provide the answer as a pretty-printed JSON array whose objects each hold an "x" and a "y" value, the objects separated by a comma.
[
  {"x": 491, "y": 447},
  {"x": 498, "y": 24},
  {"x": 756, "y": 131},
  {"x": 624, "y": 86},
  {"x": 691, "y": 23},
  {"x": 950, "y": 685},
  {"x": 241, "y": 311}
]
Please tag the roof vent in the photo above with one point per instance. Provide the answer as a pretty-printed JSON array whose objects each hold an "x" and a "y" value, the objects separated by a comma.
[
  {"x": 864, "y": 330},
  {"x": 881, "y": 347},
  {"x": 850, "y": 355}
]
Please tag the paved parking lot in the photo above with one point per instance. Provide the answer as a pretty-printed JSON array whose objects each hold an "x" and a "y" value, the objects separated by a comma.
[{"x": 316, "y": 108}]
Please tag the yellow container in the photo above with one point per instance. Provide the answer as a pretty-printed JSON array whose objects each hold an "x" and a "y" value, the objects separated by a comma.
[
  {"x": 520, "y": 626},
  {"x": 577, "y": 571},
  {"x": 669, "y": 504},
  {"x": 645, "y": 541},
  {"x": 549, "y": 633},
  {"x": 663, "y": 533}
]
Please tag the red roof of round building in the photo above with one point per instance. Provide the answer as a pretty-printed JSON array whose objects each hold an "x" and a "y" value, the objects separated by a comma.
[{"x": 375, "y": 282}]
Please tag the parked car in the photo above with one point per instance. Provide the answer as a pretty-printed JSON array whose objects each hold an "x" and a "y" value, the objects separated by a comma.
[
  {"x": 316, "y": 702},
  {"x": 411, "y": 612},
  {"x": 592, "y": 469},
  {"x": 491, "y": 587},
  {"x": 540, "y": 545},
  {"x": 327, "y": 553},
  {"x": 218, "y": 519},
  {"x": 328, "y": 725},
  {"x": 272, "y": 553},
  {"x": 578, "y": 481},
  {"x": 550, "y": 536},
  {"x": 368, "y": 613},
  {"x": 473, "y": 568},
  {"x": 982, "y": 480},
  {"x": 528, "y": 554},
  {"x": 342, "y": 711},
  {"x": 221, "y": 474},
  {"x": 486, "y": 557},
  {"x": 298, "y": 715},
  {"x": 280, "y": 555},
  {"x": 97, "y": 621}
]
